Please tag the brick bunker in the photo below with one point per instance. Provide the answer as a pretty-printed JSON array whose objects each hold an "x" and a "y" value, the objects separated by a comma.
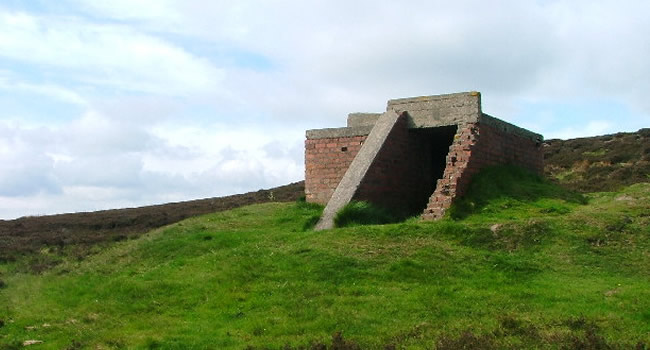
[{"x": 418, "y": 156}]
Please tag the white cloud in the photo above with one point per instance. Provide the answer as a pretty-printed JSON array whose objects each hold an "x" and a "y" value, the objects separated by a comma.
[
  {"x": 24, "y": 170},
  {"x": 338, "y": 56},
  {"x": 106, "y": 55},
  {"x": 7, "y": 82},
  {"x": 151, "y": 10},
  {"x": 96, "y": 162},
  {"x": 227, "y": 153}
]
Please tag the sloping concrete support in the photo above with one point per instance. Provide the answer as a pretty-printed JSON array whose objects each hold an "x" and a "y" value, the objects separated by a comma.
[{"x": 359, "y": 167}]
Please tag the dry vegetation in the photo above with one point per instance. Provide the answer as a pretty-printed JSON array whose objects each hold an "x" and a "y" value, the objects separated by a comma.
[{"x": 601, "y": 163}]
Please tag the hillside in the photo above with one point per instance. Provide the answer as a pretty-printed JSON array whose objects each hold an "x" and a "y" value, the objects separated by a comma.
[
  {"x": 76, "y": 234},
  {"x": 601, "y": 163},
  {"x": 524, "y": 265}
]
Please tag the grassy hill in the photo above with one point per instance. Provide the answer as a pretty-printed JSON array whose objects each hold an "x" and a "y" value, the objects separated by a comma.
[
  {"x": 80, "y": 234},
  {"x": 600, "y": 163},
  {"x": 521, "y": 263}
]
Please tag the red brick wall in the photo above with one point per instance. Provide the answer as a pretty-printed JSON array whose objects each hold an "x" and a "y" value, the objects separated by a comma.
[
  {"x": 477, "y": 146},
  {"x": 499, "y": 147},
  {"x": 325, "y": 164}
]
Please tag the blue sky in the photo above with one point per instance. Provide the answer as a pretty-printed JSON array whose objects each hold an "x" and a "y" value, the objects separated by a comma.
[{"x": 121, "y": 103}]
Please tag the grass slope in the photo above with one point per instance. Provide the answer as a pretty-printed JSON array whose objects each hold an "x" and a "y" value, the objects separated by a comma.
[
  {"x": 524, "y": 266},
  {"x": 81, "y": 234},
  {"x": 599, "y": 163}
]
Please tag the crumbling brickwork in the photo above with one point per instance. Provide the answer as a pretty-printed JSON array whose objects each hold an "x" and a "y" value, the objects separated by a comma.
[{"x": 477, "y": 146}]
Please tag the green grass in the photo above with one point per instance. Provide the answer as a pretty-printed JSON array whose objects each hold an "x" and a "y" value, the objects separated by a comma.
[
  {"x": 508, "y": 192},
  {"x": 519, "y": 268}
]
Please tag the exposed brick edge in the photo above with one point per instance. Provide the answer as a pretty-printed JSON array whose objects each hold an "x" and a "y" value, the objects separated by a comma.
[{"x": 477, "y": 146}]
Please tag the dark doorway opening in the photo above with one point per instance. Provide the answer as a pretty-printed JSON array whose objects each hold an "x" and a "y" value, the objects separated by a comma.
[{"x": 429, "y": 149}]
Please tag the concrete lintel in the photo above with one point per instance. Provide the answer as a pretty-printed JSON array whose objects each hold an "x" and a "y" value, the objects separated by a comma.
[
  {"x": 431, "y": 98},
  {"x": 338, "y": 132},
  {"x": 439, "y": 110}
]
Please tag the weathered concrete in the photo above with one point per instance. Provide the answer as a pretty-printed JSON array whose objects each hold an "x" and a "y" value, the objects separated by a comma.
[
  {"x": 427, "y": 112},
  {"x": 439, "y": 110},
  {"x": 339, "y": 132},
  {"x": 358, "y": 168},
  {"x": 362, "y": 119}
]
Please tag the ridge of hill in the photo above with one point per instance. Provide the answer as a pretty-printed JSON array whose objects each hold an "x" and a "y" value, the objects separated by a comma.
[
  {"x": 524, "y": 265},
  {"x": 78, "y": 232}
]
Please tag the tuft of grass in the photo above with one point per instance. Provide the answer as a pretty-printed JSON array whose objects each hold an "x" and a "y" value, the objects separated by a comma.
[
  {"x": 597, "y": 153},
  {"x": 310, "y": 213},
  {"x": 363, "y": 213}
]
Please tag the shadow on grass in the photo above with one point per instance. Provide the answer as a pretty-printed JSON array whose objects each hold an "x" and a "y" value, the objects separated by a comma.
[{"x": 358, "y": 213}]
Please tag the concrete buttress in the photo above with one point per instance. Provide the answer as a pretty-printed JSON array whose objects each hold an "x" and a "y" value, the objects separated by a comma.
[{"x": 355, "y": 174}]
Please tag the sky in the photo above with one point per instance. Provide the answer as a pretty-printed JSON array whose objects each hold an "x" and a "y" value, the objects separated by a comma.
[{"x": 123, "y": 103}]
